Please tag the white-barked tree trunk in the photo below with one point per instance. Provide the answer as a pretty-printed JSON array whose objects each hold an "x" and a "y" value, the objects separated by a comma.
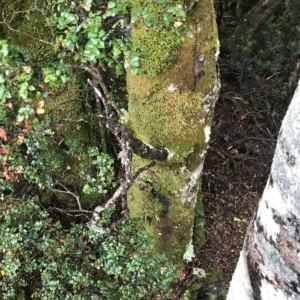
[{"x": 269, "y": 264}]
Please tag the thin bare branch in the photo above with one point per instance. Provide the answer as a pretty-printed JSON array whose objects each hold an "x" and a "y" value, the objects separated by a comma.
[
  {"x": 99, "y": 94},
  {"x": 140, "y": 170},
  {"x": 65, "y": 190},
  {"x": 70, "y": 212},
  {"x": 7, "y": 24}
]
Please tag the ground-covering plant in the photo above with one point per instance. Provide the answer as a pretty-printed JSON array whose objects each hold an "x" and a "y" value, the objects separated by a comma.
[{"x": 41, "y": 259}]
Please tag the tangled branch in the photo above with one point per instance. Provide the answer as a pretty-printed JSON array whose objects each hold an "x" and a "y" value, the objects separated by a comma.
[{"x": 115, "y": 123}]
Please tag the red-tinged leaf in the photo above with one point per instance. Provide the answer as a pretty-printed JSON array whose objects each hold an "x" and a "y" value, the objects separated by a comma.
[
  {"x": 5, "y": 175},
  {"x": 39, "y": 107},
  {"x": 27, "y": 125},
  {"x": 40, "y": 104},
  {"x": 3, "y": 152},
  {"x": 27, "y": 69},
  {"x": 3, "y": 135},
  {"x": 8, "y": 103},
  {"x": 14, "y": 177}
]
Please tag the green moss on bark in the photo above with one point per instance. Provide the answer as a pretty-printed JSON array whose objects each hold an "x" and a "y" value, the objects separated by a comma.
[
  {"x": 27, "y": 25},
  {"x": 169, "y": 110},
  {"x": 159, "y": 43},
  {"x": 173, "y": 230},
  {"x": 170, "y": 99},
  {"x": 163, "y": 48}
]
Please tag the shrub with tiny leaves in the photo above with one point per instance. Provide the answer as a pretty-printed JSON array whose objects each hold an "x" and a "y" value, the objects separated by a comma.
[
  {"x": 272, "y": 50},
  {"x": 39, "y": 257}
]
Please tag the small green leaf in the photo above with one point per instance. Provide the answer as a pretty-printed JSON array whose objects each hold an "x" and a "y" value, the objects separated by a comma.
[
  {"x": 116, "y": 50},
  {"x": 119, "y": 70},
  {"x": 239, "y": 220},
  {"x": 101, "y": 44},
  {"x": 167, "y": 18},
  {"x": 135, "y": 71},
  {"x": 4, "y": 51},
  {"x": 23, "y": 92},
  {"x": 135, "y": 62},
  {"x": 31, "y": 88},
  {"x": 189, "y": 34},
  {"x": 111, "y": 63},
  {"x": 111, "y": 4}
]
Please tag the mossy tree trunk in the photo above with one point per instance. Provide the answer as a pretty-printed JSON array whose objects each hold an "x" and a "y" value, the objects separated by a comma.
[{"x": 174, "y": 109}]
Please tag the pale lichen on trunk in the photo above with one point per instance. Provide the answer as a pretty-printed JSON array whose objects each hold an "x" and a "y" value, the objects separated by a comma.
[{"x": 173, "y": 109}]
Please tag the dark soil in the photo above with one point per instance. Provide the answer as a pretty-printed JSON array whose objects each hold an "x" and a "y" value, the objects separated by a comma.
[{"x": 235, "y": 174}]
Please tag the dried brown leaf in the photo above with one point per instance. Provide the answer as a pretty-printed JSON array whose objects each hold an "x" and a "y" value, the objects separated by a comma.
[{"x": 3, "y": 135}]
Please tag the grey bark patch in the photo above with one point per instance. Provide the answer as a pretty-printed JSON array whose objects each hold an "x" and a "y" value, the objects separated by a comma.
[
  {"x": 257, "y": 264},
  {"x": 295, "y": 287},
  {"x": 278, "y": 219},
  {"x": 271, "y": 180},
  {"x": 253, "y": 271},
  {"x": 293, "y": 223},
  {"x": 190, "y": 189},
  {"x": 272, "y": 245},
  {"x": 291, "y": 160},
  {"x": 259, "y": 226}
]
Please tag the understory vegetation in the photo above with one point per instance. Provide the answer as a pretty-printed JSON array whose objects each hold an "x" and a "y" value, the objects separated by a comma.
[
  {"x": 45, "y": 259},
  {"x": 269, "y": 54},
  {"x": 58, "y": 159}
]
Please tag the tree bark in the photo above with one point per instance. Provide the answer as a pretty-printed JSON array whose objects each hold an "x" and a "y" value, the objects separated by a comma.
[
  {"x": 173, "y": 109},
  {"x": 269, "y": 264}
]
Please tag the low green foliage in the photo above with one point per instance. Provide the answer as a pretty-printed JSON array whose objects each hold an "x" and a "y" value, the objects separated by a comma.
[
  {"x": 272, "y": 49},
  {"x": 104, "y": 172},
  {"x": 82, "y": 29},
  {"x": 41, "y": 258}
]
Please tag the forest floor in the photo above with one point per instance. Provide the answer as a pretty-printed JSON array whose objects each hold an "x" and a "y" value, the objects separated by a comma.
[{"x": 236, "y": 173}]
